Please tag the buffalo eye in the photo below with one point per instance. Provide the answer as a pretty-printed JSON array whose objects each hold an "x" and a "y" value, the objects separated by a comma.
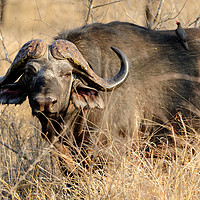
[
  {"x": 30, "y": 72},
  {"x": 67, "y": 75}
]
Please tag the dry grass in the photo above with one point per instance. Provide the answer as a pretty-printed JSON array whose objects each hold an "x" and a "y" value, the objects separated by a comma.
[{"x": 28, "y": 168}]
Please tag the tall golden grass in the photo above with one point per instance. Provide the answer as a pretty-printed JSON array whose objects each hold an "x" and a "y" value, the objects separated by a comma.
[{"x": 28, "y": 166}]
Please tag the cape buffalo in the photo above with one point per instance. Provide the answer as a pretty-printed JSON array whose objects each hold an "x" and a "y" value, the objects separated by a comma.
[{"x": 74, "y": 91}]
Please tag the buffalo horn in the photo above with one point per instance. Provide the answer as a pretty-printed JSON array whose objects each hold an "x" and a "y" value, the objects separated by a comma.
[
  {"x": 31, "y": 50},
  {"x": 63, "y": 49}
]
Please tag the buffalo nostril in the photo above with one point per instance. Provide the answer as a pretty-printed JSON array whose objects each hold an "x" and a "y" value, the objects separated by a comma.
[
  {"x": 45, "y": 103},
  {"x": 54, "y": 101},
  {"x": 51, "y": 101},
  {"x": 49, "y": 104}
]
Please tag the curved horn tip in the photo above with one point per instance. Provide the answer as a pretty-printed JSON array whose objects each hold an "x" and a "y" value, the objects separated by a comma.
[
  {"x": 121, "y": 55},
  {"x": 117, "y": 80},
  {"x": 125, "y": 65}
]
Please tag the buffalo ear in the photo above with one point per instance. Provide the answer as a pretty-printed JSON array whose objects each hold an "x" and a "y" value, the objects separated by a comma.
[
  {"x": 83, "y": 96},
  {"x": 12, "y": 94}
]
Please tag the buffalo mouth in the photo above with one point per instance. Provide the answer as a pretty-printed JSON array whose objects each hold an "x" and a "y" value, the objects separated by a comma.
[{"x": 45, "y": 114}]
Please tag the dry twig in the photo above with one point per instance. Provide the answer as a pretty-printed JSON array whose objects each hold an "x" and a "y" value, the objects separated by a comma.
[
  {"x": 20, "y": 154},
  {"x": 157, "y": 14},
  {"x": 89, "y": 10},
  {"x": 172, "y": 18},
  {"x": 91, "y": 7},
  {"x": 4, "y": 47},
  {"x": 40, "y": 18},
  {"x": 195, "y": 22},
  {"x": 106, "y": 4},
  {"x": 31, "y": 167}
]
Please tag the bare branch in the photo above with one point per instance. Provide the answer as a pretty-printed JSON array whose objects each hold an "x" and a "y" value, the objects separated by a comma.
[
  {"x": 2, "y": 11},
  {"x": 195, "y": 22},
  {"x": 106, "y": 4},
  {"x": 128, "y": 15},
  {"x": 4, "y": 47},
  {"x": 157, "y": 14},
  {"x": 171, "y": 18},
  {"x": 5, "y": 145},
  {"x": 89, "y": 10},
  {"x": 40, "y": 17},
  {"x": 91, "y": 7}
]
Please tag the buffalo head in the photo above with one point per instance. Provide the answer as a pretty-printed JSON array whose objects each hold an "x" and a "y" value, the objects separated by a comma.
[
  {"x": 53, "y": 75},
  {"x": 61, "y": 87}
]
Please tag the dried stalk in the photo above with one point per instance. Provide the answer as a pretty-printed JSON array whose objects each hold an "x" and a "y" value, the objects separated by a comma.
[
  {"x": 89, "y": 11},
  {"x": 157, "y": 14},
  {"x": 107, "y": 4},
  {"x": 91, "y": 7},
  {"x": 4, "y": 47},
  {"x": 195, "y": 22}
]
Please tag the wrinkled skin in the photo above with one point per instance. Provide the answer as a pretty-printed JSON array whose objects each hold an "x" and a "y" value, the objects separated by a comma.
[{"x": 163, "y": 79}]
